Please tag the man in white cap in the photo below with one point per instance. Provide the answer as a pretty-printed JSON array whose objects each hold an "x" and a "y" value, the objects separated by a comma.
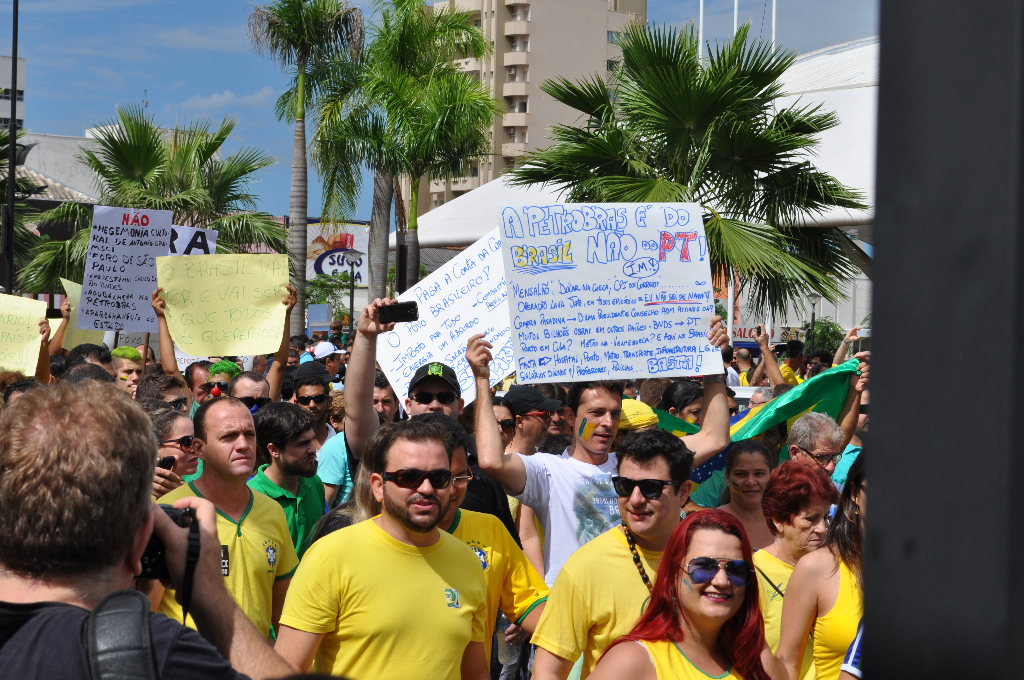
[{"x": 333, "y": 360}]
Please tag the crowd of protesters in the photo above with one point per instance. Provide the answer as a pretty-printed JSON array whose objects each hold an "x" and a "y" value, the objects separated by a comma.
[{"x": 556, "y": 532}]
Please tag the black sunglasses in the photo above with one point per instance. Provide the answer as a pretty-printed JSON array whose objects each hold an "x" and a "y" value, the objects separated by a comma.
[
  {"x": 650, "y": 488},
  {"x": 704, "y": 569},
  {"x": 255, "y": 403},
  {"x": 316, "y": 398},
  {"x": 507, "y": 425},
  {"x": 184, "y": 443},
  {"x": 428, "y": 397},
  {"x": 222, "y": 386},
  {"x": 178, "y": 404},
  {"x": 413, "y": 479}
]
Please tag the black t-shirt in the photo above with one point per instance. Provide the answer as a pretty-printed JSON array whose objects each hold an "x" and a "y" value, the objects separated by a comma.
[
  {"x": 486, "y": 495},
  {"x": 48, "y": 640}
]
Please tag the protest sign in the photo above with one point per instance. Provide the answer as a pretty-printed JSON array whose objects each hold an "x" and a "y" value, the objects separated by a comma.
[
  {"x": 604, "y": 291},
  {"x": 184, "y": 360},
  {"x": 120, "y": 270},
  {"x": 220, "y": 305},
  {"x": 72, "y": 336},
  {"x": 193, "y": 241},
  {"x": 466, "y": 296},
  {"x": 19, "y": 333}
]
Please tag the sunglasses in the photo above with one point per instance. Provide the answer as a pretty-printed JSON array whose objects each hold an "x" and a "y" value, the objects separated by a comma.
[
  {"x": 413, "y": 479},
  {"x": 462, "y": 480},
  {"x": 428, "y": 397},
  {"x": 704, "y": 569},
  {"x": 178, "y": 404},
  {"x": 316, "y": 399},
  {"x": 650, "y": 488},
  {"x": 255, "y": 403},
  {"x": 507, "y": 425},
  {"x": 184, "y": 443},
  {"x": 222, "y": 386},
  {"x": 823, "y": 459}
]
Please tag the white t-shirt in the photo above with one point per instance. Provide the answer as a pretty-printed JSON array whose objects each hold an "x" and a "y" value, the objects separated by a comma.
[
  {"x": 732, "y": 378},
  {"x": 574, "y": 501}
]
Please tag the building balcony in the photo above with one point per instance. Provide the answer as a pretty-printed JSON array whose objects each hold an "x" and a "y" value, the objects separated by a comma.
[
  {"x": 513, "y": 149},
  {"x": 438, "y": 186},
  {"x": 514, "y": 89},
  {"x": 469, "y": 65},
  {"x": 517, "y": 58},
  {"x": 517, "y": 28},
  {"x": 512, "y": 3},
  {"x": 514, "y": 120},
  {"x": 465, "y": 183}
]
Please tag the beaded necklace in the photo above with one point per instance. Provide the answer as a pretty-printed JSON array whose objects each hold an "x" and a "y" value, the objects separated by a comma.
[{"x": 636, "y": 558}]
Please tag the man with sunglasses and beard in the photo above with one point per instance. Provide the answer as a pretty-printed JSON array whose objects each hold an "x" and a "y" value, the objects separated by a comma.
[
  {"x": 313, "y": 395},
  {"x": 284, "y": 436},
  {"x": 603, "y": 587},
  {"x": 392, "y": 597}
]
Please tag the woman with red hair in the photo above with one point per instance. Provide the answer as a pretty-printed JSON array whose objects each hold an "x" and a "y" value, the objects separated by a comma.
[
  {"x": 703, "y": 618},
  {"x": 795, "y": 504}
]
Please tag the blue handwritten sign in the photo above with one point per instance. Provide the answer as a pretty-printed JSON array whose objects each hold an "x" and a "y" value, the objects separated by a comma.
[
  {"x": 608, "y": 290},
  {"x": 465, "y": 296}
]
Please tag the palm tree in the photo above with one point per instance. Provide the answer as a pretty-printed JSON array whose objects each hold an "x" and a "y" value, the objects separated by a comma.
[
  {"x": 416, "y": 114},
  {"x": 139, "y": 165},
  {"x": 24, "y": 240},
  {"x": 673, "y": 128},
  {"x": 299, "y": 34}
]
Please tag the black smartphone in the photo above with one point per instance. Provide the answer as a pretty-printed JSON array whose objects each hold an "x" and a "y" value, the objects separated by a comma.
[
  {"x": 167, "y": 462},
  {"x": 399, "y": 312}
]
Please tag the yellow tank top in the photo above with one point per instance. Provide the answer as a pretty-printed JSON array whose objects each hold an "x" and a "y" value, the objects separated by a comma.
[
  {"x": 834, "y": 631},
  {"x": 671, "y": 664},
  {"x": 778, "y": 572}
]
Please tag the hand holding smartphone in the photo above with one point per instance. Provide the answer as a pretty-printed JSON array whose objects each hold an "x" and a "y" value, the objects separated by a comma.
[{"x": 399, "y": 312}]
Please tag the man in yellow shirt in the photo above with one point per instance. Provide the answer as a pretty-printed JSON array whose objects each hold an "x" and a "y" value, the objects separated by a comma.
[
  {"x": 393, "y": 597},
  {"x": 600, "y": 592},
  {"x": 793, "y": 363},
  {"x": 257, "y": 555}
]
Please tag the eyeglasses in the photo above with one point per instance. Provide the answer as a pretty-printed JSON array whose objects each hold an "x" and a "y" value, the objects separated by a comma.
[
  {"x": 178, "y": 404},
  {"x": 823, "y": 459},
  {"x": 704, "y": 569},
  {"x": 462, "y": 480},
  {"x": 222, "y": 386},
  {"x": 255, "y": 403},
  {"x": 413, "y": 479},
  {"x": 507, "y": 425},
  {"x": 650, "y": 488},
  {"x": 428, "y": 397},
  {"x": 316, "y": 399},
  {"x": 543, "y": 415},
  {"x": 183, "y": 443}
]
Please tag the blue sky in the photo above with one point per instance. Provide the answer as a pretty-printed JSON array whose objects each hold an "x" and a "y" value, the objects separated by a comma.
[{"x": 84, "y": 57}]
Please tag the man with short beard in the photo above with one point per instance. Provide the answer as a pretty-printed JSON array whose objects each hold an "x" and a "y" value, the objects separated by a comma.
[
  {"x": 284, "y": 436},
  {"x": 393, "y": 597}
]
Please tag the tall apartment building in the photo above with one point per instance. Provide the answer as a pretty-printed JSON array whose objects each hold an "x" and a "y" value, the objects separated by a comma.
[
  {"x": 5, "y": 92},
  {"x": 533, "y": 42}
]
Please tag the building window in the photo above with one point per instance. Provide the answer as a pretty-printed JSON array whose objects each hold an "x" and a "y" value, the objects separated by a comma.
[
  {"x": 6, "y": 123},
  {"x": 521, "y": 107},
  {"x": 6, "y": 94},
  {"x": 613, "y": 37},
  {"x": 474, "y": 171},
  {"x": 476, "y": 22},
  {"x": 611, "y": 65}
]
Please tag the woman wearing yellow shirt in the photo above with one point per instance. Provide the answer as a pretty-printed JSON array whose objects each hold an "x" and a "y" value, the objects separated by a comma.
[
  {"x": 795, "y": 503},
  {"x": 703, "y": 620},
  {"x": 825, "y": 589}
]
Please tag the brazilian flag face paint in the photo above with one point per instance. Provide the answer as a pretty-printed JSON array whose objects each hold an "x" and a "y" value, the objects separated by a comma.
[{"x": 586, "y": 429}]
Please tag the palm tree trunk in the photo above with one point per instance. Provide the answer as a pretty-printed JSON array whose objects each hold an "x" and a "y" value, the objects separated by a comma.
[
  {"x": 297, "y": 213},
  {"x": 412, "y": 239},
  {"x": 380, "y": 221}
]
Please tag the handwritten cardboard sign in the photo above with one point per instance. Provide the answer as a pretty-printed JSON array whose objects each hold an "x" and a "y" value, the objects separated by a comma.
[
  {"x": 466, "y": 296},
  {"x": 72, "y": 336},
  {"x": 120, "y": 269},
  {"x": 19, "y": 333},
  {"x": 611, "y": 290},
  {"x": 224, "y": 305}
]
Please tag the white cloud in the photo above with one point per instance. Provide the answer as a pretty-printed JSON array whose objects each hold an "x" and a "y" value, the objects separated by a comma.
[
  {"x": 177, "y": 85},
  {"x": 230, "y": 39},
  {"x": 227, "y": 99}
]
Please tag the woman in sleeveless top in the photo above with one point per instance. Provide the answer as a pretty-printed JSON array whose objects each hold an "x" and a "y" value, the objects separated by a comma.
[
  {"x": 824, "y": 592},
  {"x": 796, "y": 504},
  {"x": 703, "y": 619}
]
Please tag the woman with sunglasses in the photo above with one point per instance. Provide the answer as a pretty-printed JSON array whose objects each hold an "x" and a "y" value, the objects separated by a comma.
[
  {"x": 174, "y": 436},
  {"x": 747, "y": 466},
  {"x": 703, "y": 619},
  {"x": 795, "y": 503},
  {"x": 825, "y": 592}
]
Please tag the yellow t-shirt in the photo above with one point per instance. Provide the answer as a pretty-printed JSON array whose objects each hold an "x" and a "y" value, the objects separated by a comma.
[
  {"x": 671, "y": 664},
  {"x": 834, "y": 631},
  {"x": 259, "y": 552},
  {"x": 513, "y": 585},
  {"x": 597, "y": 598},
  {"x": 389, "y": 610},
  {"x": 778, "y": 572},
  {"x": 744, "y": 382},
  {"x": 789, "y": 376}
]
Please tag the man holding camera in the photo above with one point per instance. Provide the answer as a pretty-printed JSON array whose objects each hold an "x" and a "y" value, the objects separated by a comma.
[{"x": 75, "y": 505}]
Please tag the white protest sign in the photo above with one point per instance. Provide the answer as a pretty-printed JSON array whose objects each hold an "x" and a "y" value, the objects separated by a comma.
[
  {"x": 192, "y": 241},
  {"x": 120, "y": 269},
  {"x": 606, "y": 291},
  {"x": 466, "y": 296},
  {"x": 184, "y": 360}
]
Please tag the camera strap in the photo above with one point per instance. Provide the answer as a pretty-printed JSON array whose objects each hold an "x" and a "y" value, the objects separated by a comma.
[{"x": 191, "y": 560}]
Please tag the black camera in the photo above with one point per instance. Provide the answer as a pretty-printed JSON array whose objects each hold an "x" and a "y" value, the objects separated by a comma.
[{"x": 153, "y": 563}]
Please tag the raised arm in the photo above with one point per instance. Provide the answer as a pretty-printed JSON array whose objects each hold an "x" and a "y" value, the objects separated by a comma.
[
  {"x": 507, "y": 468},
  {"x": 43, "y": 363},
  {"x": 840, "y": 355},
  {"x": 714, "y": 432},
  {"x": 771, "y": 366},
  {"x": 167, "y": 360},
  {"x": 57, "y": 341},
  {"x": 360, "y": 416},
  {"x": 850, "y": 413},
  {"x": 275, "y": 376}
]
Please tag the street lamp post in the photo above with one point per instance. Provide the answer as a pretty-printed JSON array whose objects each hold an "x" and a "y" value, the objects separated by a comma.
[
  {"x": 352, "y": 257},
  {"x": 813, "y": 297},
  {"x": 7, "y": 239}
]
